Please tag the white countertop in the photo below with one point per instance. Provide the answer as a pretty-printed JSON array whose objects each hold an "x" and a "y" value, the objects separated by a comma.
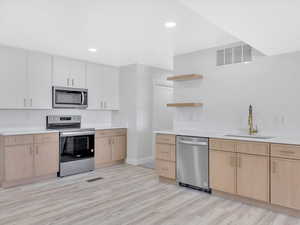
[
  {"x": 278, "y": 139},
  {"x": 24, "y": 131}
]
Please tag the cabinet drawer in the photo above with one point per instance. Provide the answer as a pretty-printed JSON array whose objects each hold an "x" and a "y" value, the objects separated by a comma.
[
  {"x": 165, "y": 169},
  {"x": 18, "y": 140},
  {"x": 285, "y": 151},
  {"x": 166, "y": 139},
  {"x": 112, "y": 132},
  {"x": 165, "y": 152},
  {"x": 254, "y": 148},
  {"x": 46, "y": 138},
  {"x": 221, "y": 144}
]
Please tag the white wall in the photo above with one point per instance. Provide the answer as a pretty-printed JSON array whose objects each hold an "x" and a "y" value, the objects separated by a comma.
[
  {"x": 36, "y": 119},
  {"x": 270, "y": 84}
]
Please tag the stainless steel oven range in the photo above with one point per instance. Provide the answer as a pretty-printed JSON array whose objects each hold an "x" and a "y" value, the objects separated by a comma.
[{"x": 76, "y": 145}]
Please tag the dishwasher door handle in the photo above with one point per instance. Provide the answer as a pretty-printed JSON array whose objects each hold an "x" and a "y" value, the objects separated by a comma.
[{"x": 193, "y": 143}]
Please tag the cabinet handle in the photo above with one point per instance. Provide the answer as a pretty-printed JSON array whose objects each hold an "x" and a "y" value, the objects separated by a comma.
[
  {"x": 287, "y": 152},
  {"x": 24, "y": 102},
  {"x": 31, "y": 102},
  {"x": 37, "y": 150},
  {"x": 101, "y": 105},
  {"x": 273, "y": 167},
  {"x": 73, "y": 82},
  {"x": 68, "y": 81}
]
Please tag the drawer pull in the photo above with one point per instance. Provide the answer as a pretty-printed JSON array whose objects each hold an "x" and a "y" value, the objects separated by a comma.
[
  {"x": 164, "y": 169},
  {"x": 164, "y": 152},
  {"x": 287, "y": 152}
]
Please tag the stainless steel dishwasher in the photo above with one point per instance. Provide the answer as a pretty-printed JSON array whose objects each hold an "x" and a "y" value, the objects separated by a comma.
[{"x": 192, "y": 162}]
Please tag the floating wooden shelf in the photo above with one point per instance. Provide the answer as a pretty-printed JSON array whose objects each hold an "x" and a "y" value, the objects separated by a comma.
[
  {"x": 185, "y": 77},
  {"x": 187, "y": 104}
]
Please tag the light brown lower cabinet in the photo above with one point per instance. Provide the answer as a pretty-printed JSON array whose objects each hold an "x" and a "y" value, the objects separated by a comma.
[
  {"x": 103, "y": 152},
  {"x": 240, "y": 173},
  {"x": 18, "y": 162},
  {"x": 46, "y": 158},
  {"x": 222, "y": 170},
  {"x": 118, "y": 148},
  {"x": 285, "y": 182},
  {"x": 252, "y": 178},
  {"x": 166, "y": 169},
  {"x": 27, "y": 157},
  {"x": 110, "y": 147},
  {"x": 165, "y": 162}
]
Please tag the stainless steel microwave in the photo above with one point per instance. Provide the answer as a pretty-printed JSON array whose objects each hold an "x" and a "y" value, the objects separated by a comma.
[{"x": 63, "y": 97}]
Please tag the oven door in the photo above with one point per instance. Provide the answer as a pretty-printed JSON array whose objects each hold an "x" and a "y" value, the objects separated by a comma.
[
  {"x": 76, "y": 145},
  {"x": 69, "y": 97}
]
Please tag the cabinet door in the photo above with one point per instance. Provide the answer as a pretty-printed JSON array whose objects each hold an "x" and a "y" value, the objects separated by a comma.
[
  {"x": 94, "y": 85},
  {"x": 110, "y": 88},
  {"x": 103, "y": 150},
  {"x": 222, "y": 167},
  {"x": 39, "y": 80},
  {"x": 61, "y": 72},
  {"x": 253, "y": 177},
  {"x": 285, "y": 182},
  {"x": 18, "y": 162},
  {"x": 119, "y": 148},
  {"x": 46, "y": 158},
  {"x": 77, "y": 71},
  {"x": 13, "y": 78}
]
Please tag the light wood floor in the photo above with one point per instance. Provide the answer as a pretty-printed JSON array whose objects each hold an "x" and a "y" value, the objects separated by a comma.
[{"x": 126, "y": 195}]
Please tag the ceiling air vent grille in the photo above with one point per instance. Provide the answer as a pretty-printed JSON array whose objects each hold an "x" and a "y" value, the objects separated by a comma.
[{"x": 236, "y": 54}]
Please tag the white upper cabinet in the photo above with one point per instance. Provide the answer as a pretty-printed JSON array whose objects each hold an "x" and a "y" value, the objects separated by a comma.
[
  {"x": 93, "y": 73},
  {"x": 39, "y": 80},
  {"x": 68, "y": 73},
  {"x": 13, "y": 78},
  {"x": 110, "y": 88},
  {"x": 103, "y": 87}
]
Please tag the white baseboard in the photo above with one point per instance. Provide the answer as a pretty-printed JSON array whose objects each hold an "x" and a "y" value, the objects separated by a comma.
[{"x": 135, "y": 161}]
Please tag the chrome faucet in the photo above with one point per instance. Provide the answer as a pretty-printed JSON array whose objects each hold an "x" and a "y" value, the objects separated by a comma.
[{"x": 250, "y": 122}]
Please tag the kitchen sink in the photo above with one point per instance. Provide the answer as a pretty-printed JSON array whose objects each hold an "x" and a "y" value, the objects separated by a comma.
[{"x": 249, "y": 136}]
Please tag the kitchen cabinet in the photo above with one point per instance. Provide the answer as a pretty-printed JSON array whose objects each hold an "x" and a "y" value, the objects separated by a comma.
[
  {"x": 46, "y": 158},
  {"x": 103, "y": 153},
  {"x": 166, "y": 169},
  {"x": 103, "y": 86},
  {"x": 13, "y": 78},
  {"x": 285, "y": 176},
  {"x": 118, "y": 147},
  {"x": 253, "y": 176},
  {"x": 28, "y": 157},
  {"x": 110, "y": 147},
  {"x": 240, "y": 167},
  {"x": 222, "y": 169},
  {"x": 18, "y": 162},
  {"x": 69, "y": 73},
  {"x": 166, "y": 156},
  {"x": 39, "y": 81},
  {"x": 25, "y": 79}
]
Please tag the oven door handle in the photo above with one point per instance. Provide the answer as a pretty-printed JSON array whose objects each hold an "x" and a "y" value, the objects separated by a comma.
[
  {"x": 79, "y": 133},
  {"x": 193, "y": 143},
  {"x": 82, "y": 98}
]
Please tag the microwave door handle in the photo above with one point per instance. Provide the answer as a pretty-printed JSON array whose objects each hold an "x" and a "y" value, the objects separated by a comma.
[{"x": 82, "y": 98}]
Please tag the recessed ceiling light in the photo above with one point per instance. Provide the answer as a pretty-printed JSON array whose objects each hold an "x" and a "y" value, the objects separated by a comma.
[
  {"x": 170, "y": 24},
  {"x": 92, "y": 50}
]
